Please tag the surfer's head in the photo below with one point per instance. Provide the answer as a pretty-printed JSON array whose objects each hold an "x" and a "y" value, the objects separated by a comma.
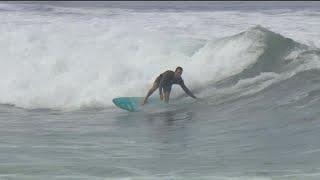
[{"x": 178, "y": 72}]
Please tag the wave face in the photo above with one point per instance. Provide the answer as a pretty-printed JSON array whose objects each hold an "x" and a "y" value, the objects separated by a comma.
[{"x": 73, "y": 58}]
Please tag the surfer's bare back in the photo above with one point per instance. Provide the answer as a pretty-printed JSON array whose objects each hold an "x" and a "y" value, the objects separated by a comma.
[{"x": 165, "y": 81}]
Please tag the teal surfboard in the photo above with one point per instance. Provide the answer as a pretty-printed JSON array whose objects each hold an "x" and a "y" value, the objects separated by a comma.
[
  {"x": 128, "y": 103},
  {"x": 133, "y": 104}
]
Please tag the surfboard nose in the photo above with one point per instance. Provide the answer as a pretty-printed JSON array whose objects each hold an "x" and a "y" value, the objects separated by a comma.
[{"x": 126, "y": 103}]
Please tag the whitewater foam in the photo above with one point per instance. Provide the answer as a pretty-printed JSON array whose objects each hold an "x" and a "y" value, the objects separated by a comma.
[{"x": 69, "y": 61}]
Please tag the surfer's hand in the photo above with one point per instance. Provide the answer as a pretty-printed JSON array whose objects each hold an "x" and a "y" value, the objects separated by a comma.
[
  {"x": 199, "y": 99},
  {"x": 143, "y": 102}
]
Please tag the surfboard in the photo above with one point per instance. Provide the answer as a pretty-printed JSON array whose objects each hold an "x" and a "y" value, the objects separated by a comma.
[{"x": 133, "y": 104}]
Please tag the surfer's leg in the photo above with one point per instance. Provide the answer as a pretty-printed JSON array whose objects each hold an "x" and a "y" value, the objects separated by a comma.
[{"x": 167, "y": 95}]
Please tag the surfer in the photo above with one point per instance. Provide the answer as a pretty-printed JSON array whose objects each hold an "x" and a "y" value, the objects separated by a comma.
[{"x": 165, "y": 81}]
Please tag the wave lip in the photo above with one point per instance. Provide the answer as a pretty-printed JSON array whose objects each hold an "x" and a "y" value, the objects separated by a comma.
[
  {"x": 278, "y": 54},
  {"x": 274, "y": 59}
]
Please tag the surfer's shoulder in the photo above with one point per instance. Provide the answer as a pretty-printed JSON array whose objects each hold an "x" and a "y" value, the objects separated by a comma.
[{"x": 168, "y": 72}]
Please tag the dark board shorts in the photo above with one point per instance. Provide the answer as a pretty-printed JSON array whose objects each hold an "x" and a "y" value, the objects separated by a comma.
[{"x": 165, "y": 88}]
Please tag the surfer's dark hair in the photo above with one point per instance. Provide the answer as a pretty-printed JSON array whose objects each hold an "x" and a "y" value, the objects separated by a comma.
[{"x": 179, "y": 68}]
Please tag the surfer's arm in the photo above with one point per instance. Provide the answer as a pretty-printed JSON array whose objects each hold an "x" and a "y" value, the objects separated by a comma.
[{"x": 186, "y": 90}]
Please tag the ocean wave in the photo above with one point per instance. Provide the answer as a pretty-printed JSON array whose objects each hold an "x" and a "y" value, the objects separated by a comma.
[{"x": 50, "y": 63}]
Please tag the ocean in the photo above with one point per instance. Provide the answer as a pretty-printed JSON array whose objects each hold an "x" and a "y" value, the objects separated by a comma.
[{"x": 255, "y": 66}]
